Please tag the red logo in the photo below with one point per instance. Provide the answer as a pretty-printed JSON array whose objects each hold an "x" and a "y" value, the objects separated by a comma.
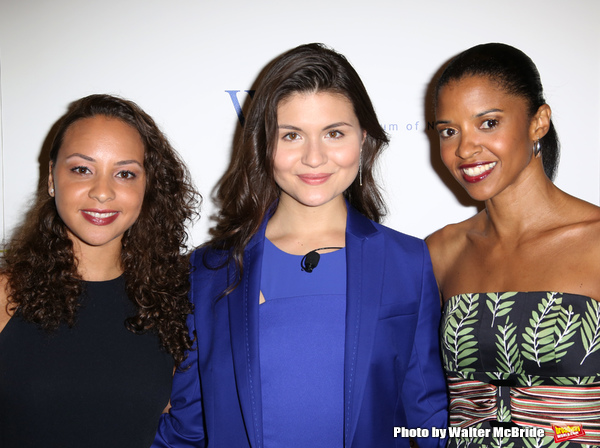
[{"x": 567, "y": 431}]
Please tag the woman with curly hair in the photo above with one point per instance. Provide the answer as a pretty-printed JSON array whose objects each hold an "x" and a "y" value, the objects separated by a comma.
[
  {"x": 93, "y": 303},
  {"x": 317, "y": 326}
]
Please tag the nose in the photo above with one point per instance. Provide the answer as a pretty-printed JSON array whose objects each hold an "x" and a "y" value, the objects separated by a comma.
[
  {"x": 315, "y": 153},
  {"x": 102, "y": 189},
  {"x": 468, "y": 145}
]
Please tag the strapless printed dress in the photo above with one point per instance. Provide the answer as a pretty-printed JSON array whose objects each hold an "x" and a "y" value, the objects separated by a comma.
[{"x": 523, "y": 369}]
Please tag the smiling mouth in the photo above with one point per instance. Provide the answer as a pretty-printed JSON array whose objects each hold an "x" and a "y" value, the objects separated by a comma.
[
  {"x": 100, "y": 215},
  {"x": 314, "y": 179},
  {"x": 475, "y": 173},
  {"x": 99, "y": 218}
]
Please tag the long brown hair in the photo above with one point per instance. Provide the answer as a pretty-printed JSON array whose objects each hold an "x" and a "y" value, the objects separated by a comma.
[
  {"x": 248, "y": 190},
  {"x": 40, "y": 266}
]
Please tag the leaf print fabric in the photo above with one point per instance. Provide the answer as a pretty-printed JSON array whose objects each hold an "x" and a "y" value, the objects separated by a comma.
[
  {"x": 459, "y": 335},
  {"x": 526, "y": 358},
  {"x": 591, "y": 327}
]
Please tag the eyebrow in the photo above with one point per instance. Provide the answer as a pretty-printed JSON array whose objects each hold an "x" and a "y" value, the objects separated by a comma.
[
  {"x": 485, "y": 112},
  {"x": 331, "y": 126},
  {"x": 337, "y": 125},
  {"x": 91, "y": 159},
  {"x": 479, "y": 115},
  {"x": 289, "y": 127},
  {"x": 84, "y": 157}
]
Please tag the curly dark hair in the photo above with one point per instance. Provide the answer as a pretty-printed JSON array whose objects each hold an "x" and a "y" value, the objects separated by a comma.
[
  {"x": 248, "y": 190},
  {"x": 43, "y": 283}
]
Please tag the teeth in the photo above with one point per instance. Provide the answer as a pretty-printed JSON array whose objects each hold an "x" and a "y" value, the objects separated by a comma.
[
  {"x": 100, "y": 215},
  {"x": 480, "y": 169}
]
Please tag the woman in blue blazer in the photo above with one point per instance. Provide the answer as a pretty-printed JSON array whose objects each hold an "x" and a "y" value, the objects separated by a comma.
[{"x": 316, "y": 326}]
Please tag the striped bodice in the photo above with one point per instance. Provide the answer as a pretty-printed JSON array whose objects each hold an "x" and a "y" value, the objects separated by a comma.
[{"x": 523, "y": 359}]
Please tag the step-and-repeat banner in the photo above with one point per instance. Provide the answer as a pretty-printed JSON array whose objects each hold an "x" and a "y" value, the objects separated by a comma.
[{"x": 190, "y": 64}]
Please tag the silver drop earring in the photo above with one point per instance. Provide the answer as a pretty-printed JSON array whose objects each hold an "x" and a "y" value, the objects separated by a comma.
[
  {"x": 537, "y": 148},
  {"x": 360, "y": 168}
]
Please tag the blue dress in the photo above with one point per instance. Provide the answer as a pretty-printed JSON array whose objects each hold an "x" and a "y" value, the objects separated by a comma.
[{"x": 301, "y": 345}]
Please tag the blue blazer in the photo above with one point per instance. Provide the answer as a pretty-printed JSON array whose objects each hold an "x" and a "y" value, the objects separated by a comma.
[{"x": 393, "y": 373}]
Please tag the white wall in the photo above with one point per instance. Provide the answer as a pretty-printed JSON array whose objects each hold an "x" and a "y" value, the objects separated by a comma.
[{"x": 177, "y": 58}]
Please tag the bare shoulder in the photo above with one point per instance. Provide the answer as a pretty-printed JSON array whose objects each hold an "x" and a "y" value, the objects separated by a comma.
[
  {"x": 3, "y": 290},
  {"x": 446, "y": 244},
  {"x": 572, "y": 248},
  {"x": 583, "y": 219},
  {"x": 587, "y": 226},
  {"x": 440, "y": 240},
  {"x": 4, "y": 314},
  {"x": 453, "y": 236}
]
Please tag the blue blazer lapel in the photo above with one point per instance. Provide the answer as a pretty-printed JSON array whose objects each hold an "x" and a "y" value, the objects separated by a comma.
[
  {"x": 243, "y": 327},
  {"x": 365, "y": 264}
]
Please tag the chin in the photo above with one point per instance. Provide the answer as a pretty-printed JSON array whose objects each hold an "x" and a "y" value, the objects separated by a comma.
[
  {"x": 97, "y": 240},
  {"x": 317, "y": 202},
  {"x": 478, "y": 194}
]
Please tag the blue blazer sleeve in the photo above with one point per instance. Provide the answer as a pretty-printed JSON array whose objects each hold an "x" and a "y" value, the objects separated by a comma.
[
  {"x": 183, "y": 425},
  {"x": 425, "y": 386}
]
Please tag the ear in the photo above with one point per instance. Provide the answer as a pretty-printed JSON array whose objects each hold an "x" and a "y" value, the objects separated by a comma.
[
  {"x": 50, "y": 180},
  {"x": 364, "y": 132},
  {"x": 540, "y": 122}
]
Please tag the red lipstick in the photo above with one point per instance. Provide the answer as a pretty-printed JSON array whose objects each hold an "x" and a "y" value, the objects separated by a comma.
[
  {"x": 100, "y": 217},
  {"x": 476, "y": 172}
]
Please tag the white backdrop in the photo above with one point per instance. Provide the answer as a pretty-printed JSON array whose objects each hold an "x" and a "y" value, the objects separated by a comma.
[{"x": 177, "y": 59}]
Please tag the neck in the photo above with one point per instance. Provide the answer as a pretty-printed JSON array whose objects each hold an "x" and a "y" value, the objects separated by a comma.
[
  {"x": 98, "y": 263},
  {"x": 298, "y": 229},
  {"x": 523, "y": 208}
]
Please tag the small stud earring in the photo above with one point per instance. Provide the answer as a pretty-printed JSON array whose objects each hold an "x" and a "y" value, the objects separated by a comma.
[{"x": 51, "y": 192}]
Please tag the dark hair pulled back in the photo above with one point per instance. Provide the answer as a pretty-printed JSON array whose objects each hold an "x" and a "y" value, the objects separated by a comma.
[{"x": 516, "y": 73}]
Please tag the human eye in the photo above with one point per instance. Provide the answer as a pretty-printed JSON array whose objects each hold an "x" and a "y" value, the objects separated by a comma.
[
  {"x": 126, "y": 174},
  {"x": 291, "y": 136},
  {"x": 490, "y": 123},
  {"x": 335, "y": 134},
  {"x": 81, "y": 170},
  {"x": 447, "y": 132}
]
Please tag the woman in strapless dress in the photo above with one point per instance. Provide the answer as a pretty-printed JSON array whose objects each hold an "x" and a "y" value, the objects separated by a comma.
[{"x": 521, "y": 330}]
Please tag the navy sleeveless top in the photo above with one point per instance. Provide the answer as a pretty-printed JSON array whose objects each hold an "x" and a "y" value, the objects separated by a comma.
[{"x": 94, "y": 385}]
